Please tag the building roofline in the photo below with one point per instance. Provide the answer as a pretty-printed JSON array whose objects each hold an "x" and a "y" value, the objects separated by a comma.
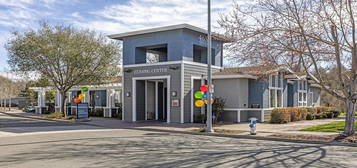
[{"x": 215, "y": 36}]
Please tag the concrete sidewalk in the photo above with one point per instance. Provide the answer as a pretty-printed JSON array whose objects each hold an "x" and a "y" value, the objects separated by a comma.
[{"x": 263, "y": 129}]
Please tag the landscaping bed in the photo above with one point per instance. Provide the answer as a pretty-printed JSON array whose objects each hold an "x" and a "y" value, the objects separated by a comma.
[
  {"x": 58, "y": 116},
  {"x": 291, "y": 114}
]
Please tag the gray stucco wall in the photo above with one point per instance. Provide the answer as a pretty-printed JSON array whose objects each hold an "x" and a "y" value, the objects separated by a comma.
[{"x": 234, "y": 91}]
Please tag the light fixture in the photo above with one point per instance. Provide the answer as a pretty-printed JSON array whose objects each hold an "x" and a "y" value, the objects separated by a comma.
[
  {"x": 174, "y": 67},
  {"x": 127, "y": 94},
  {"x": 127, "y": 70},
  {"x": 173, "y": 93}
]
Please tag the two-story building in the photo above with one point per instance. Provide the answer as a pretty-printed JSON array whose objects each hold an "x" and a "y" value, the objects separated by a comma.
[{"x": 163, "y": 67}]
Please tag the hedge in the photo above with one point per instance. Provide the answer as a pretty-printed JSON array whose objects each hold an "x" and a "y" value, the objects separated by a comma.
[{"x": 291, "y": 114}]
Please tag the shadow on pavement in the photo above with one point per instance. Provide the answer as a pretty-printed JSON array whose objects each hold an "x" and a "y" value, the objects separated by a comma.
[{"x": 175, "y": 150}]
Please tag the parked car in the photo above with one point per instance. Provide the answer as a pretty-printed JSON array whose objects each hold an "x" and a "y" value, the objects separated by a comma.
[{"x": 29, "y": 109}]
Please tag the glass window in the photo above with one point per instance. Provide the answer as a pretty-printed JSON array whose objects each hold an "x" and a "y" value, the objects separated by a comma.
[
  {"x": 272, "y": 98},
  {"x": 279, "y": 96},
  {"x": 276, "y": 97},
  {"x": 98, "y": 98},
  {"x": 273, "y": 81}
]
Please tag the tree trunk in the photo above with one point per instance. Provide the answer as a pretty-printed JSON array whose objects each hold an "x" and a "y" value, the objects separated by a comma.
[
  {"x": 63, "y": 103},
  {"x": 350, "y": 118},
  {"x": 10, "y": 104}
]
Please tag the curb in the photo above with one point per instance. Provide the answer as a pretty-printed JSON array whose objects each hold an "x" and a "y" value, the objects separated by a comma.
[
  {"x": 200, "y": 133},
  {"x": 37, "y": 118},
  {"x": 247, "y": 137}
]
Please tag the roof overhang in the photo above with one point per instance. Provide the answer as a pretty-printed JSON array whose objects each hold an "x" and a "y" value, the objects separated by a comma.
[
  {"x": 215, "y": 36},
  {"x": 234, "y": 76}
]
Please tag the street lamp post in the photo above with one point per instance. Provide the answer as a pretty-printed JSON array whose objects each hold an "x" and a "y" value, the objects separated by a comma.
[{"x": 209, "y": 72}]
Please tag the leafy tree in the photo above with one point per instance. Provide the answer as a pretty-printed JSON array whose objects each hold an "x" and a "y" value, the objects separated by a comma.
[
  {"x": 65, "y": 56},
  {"x": 310, "y": 35}
]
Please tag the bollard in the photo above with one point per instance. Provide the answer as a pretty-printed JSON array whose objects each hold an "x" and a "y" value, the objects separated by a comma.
[{"x": 253, "y": 125}]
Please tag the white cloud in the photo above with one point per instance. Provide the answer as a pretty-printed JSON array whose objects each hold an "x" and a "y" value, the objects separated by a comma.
[{"x": 141, "y": 14}]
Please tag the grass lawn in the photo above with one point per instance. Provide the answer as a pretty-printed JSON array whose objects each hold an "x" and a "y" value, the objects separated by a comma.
[
  {"x": 344, "y": 114},
  {"x": 331, "y": 127}
]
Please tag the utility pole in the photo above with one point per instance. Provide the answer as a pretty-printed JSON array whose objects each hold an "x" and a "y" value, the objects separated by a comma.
[{"x": 209, "y": 72}]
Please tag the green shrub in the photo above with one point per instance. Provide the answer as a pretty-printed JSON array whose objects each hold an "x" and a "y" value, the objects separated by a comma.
[
  {"x": 335, "y": 113},
  {"x": 289, "y": 114},
  {"x": 280, "y": 116},
  {"x": 310, "y": 116},
  {"x": 98, "y": 112}
]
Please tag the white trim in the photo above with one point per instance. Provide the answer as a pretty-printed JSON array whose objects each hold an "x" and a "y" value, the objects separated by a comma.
[
  {"x": 276, "y": 88},
  {"x": 201, "y": 64},
  {"x": 315, "y": 85},
  {"x": 170, "y": 63},
  {"x": 123, "y": 94},
  {"x": 247, "y": 109},
  {"x": 238, "y": 110},
  {"x": 238, "y": 115},
  {"x": 182, "y": 92},
  {"x": 146, "y": 100},
  {"x": 120, "y": 36},
  {"x": 156, "y": 100},
  {"x": 133, "y": 112},
  {"x": 233, "y": 76},
  {"x": 134, "y": 79},
  {"x": 302, "y": 103},
  {"x": 152, "y": 64},
  {"x": 192, "y": 99}
]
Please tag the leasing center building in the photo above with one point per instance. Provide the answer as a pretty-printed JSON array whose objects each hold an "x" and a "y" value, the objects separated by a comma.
[{"x": 163, "y": 67}]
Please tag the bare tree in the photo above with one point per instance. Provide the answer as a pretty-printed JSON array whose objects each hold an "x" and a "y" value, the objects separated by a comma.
[{"x": 312, "y": 34}]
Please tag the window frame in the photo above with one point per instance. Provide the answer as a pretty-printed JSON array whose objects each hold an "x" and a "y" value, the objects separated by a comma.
[
  {"x": 302, "y": 89},
  {"x": 278, "y": 79}
]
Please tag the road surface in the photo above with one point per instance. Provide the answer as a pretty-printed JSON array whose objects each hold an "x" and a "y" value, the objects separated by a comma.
[{"x": 31, "y": 143}]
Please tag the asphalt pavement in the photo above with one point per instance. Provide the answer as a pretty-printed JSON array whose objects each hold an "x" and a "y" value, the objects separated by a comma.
[{"x": 32, "y": 143}]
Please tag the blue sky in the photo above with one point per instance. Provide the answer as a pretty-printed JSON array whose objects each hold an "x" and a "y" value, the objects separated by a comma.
[{"x": 104, "y": 16}]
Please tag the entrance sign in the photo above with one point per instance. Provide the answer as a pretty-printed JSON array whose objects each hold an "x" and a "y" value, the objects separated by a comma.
[
  {"x": 82, "y": 111},
  {"x": 155, "y": 70}
]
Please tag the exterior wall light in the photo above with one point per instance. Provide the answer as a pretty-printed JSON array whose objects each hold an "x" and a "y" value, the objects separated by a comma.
[
  {"x": 174, "y": 67},
  {"x": 173, "y": 93},
  {"x": 127, "y": 70},
  {"x": 127, "y": 94}
]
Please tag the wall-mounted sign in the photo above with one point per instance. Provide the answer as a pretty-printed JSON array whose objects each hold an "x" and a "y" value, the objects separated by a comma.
[
  {"x": 175, "y": 103},
  {"x": 154, "y": 70}
]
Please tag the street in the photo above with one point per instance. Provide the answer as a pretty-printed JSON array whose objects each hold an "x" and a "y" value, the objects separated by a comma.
[{"x": 38, "y": 143}]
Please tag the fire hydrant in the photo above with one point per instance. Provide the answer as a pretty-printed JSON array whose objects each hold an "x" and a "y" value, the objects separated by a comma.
[{"x": 253, "y": 126}]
